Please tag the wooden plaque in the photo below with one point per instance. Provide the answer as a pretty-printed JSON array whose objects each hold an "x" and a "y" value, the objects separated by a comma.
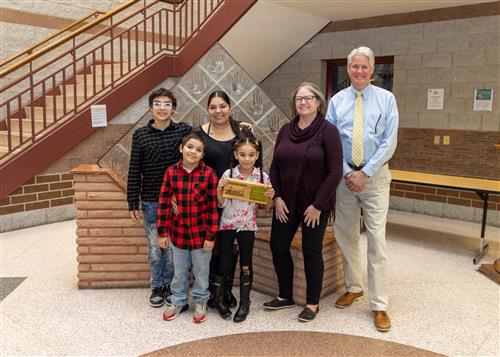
[{"x": 246, "y": 191}]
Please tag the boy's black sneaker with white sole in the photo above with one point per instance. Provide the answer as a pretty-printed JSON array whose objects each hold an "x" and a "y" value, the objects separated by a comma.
[{"x": 157, "y": 298}]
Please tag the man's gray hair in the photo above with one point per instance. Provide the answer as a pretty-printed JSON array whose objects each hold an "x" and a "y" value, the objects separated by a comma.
[{"x": 363, "y": 51}]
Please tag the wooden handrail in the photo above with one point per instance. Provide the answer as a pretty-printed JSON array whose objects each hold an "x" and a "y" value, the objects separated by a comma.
[
  {"x": 50, "y": 37},
  {"x": 66, "y": 38}
]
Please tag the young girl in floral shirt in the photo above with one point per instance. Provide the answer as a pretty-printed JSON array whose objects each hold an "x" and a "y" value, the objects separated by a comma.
[{"x": 239, "y": 221}]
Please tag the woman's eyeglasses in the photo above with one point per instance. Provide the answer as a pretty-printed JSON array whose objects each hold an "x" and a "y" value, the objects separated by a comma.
[{"x": 307, "y": 98}]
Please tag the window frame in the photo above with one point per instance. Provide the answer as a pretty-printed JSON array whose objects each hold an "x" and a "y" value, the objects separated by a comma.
[{"x": 331, "y": 64}]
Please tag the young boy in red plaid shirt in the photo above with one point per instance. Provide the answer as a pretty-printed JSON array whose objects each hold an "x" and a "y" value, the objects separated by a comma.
[{"x": 193, "y": 230}]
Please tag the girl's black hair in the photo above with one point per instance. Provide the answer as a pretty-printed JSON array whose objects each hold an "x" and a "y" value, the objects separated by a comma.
[{"x": 247, "y": 137}]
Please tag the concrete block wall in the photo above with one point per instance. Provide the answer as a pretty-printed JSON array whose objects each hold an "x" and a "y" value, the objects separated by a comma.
[{"x": 459, "y": 54}]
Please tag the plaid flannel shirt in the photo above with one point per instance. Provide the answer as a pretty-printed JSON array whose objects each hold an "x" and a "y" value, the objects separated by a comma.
[
  {"x": 153, "y": 150},
  {"x": 196, "y": 194}
]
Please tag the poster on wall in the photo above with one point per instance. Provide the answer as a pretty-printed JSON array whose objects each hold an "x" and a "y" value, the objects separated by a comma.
[
  {"x": 98, "y": 115},
  {"x": 483, "y": 100},
  {"x": 435, "y": 99}
]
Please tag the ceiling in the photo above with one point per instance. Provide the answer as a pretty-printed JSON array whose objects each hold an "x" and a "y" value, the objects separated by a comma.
[{"x": 337, "y": 10}]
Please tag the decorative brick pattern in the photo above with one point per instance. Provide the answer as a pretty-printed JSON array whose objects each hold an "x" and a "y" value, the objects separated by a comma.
[
  {"x": 470, "y": 153},
  {"x": 112, "y": 249},
  {"x": 110, "y": 245},
  {"x": 454, "y": 197},
  {"x": 42, "y": 191}
]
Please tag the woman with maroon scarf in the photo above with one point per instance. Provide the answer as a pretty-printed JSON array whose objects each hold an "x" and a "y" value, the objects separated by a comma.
[{"x": 306, "y": 169}]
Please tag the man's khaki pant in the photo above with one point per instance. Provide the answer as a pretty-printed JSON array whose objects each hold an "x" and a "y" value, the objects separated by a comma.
[{"x": 374, "y": 201}]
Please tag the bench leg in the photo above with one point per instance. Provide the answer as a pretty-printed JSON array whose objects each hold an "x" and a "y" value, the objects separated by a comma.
[{"x": 482, "y": 248}]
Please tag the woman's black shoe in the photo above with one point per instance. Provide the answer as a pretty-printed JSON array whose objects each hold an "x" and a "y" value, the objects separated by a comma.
[
  {"x": 307, "y": 314},
  {"x": 278, "y": 304}
]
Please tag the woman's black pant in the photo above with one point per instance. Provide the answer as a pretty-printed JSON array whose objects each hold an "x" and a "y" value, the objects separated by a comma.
[
  {"x": 225, "y": 240},
  {"x": 312, "y": 249}
]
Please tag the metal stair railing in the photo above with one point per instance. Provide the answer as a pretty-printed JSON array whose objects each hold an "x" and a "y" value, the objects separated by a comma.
[
  {"x": 82, "y": 67},
  {"x": 29, "y": 50}
]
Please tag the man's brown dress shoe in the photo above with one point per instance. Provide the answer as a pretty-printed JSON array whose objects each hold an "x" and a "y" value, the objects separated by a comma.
[
  {"x": 381, "y": 321},
  {"x": 347, "y": 299}
]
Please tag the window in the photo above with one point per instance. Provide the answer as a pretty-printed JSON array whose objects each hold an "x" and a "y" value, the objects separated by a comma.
[{"x": 337, "y": 78}]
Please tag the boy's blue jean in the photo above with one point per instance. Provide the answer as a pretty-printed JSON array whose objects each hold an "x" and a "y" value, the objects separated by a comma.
[
  {"x": 161, "y": 262},
  {"x": 180, "y": 283}
]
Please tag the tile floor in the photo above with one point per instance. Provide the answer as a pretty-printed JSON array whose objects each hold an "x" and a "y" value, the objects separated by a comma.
[{"x": 438, "y": 300}]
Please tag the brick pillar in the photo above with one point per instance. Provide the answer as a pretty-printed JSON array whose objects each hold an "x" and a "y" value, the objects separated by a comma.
[{"x": 112, "y": 249}]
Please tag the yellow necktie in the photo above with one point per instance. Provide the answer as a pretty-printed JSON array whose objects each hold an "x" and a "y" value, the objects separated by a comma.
[{"x": 357, "y": 131}]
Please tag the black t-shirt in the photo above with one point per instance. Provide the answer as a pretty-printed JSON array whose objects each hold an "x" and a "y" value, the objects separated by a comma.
[{"x": 218, "y": 153}]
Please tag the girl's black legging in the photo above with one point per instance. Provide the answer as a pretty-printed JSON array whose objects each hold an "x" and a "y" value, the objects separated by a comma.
[
  {"x": 225, "y": 241},
  {"x": 312, "y": 248}
]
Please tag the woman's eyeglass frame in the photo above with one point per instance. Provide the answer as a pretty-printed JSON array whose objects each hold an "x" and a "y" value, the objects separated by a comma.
[{"x": 307, "y": 99}]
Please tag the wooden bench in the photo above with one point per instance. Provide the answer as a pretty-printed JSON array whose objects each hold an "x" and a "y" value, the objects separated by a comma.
[{"x": 481, "y": 187}]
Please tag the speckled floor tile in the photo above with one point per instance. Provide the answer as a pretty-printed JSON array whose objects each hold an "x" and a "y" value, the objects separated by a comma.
[{"x": 438, "y": 301}]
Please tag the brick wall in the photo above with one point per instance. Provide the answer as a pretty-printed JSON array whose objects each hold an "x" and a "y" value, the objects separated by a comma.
[
  {"x": 470, "y": 153},
  {"x": 112, "y": 250},
  {"x": 48, "y": 197},
  {"x": 41, "y": 191},
  {"x": 454, "y": 197}
]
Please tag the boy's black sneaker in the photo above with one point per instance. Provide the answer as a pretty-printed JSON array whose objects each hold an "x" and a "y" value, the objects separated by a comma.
[
  {"x": 278, "y": 304},
  {"x": 157, "y": 299},
  {"x": 166, "y": 291}
]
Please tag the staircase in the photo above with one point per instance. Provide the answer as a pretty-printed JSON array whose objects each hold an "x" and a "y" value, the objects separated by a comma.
[
  {"x": 41, "y": 119},
  {"x": 48, "y": 107}
]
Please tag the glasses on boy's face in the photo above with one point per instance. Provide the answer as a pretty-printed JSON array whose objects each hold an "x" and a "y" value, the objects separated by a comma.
[
  {"x": 307, "y": 98},
  {"x": 157, "y": 105}
]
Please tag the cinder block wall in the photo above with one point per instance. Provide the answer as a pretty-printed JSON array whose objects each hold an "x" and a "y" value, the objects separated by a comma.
[{"x": 458, "y": 54}]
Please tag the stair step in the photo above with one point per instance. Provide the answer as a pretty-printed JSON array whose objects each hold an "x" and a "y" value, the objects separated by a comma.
[
  {"x": 90, "y": 79},
  {"x": 14, "y": 124},
  {"x": 14, "y": 137},
  {"x": 98, "y": 68},
  {"x": 59, "y": 101},
  {"x": 49, "y": 112},
  {"x": 80, "y": 90}
]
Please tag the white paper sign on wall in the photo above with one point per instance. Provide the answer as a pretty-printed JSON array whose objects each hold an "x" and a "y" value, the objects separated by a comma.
[
  {"x": 435, "y": 99},
  {"x": 99, "y": 117}
]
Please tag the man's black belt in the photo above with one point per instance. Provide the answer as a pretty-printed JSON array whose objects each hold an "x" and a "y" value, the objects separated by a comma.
[
  {"x": 354, "y": 167},
  {"x": 357, "y": 168}
]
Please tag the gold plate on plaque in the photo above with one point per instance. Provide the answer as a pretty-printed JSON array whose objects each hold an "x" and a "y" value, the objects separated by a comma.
[{"x": 246, "y": 191}]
